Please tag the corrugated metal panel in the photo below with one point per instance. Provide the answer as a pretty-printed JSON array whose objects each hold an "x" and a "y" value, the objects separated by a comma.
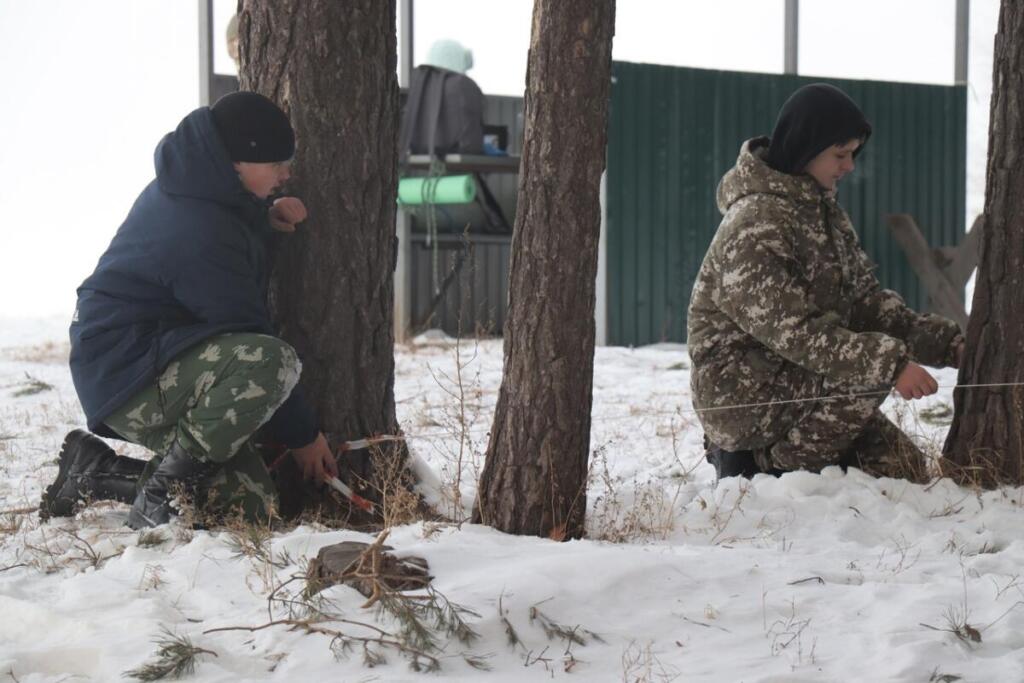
[
  {"x": 674, "y": 132},
  {"x": 477, "y": 299}
]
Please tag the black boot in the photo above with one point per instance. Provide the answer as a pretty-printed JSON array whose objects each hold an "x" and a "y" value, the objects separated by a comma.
[
  {"x": 734, "y": 463},
  {"x": 89, "y": 470},
  {"x": 178, "y": 471}
]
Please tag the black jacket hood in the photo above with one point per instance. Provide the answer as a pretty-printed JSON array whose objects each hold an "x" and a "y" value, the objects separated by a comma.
[
  {"x": 813, "y": 119},
  {"x": 192, "y": 161}
]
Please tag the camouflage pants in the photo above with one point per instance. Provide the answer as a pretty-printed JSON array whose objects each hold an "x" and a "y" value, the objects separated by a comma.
[
  {"x": 211, "y": 399},
  {"x": 849, "y": 432}
]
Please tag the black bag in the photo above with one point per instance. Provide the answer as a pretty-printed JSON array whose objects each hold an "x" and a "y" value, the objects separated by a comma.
[{"x": 443, "y": 114}]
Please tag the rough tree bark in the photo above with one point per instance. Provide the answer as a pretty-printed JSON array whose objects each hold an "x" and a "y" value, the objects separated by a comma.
[
  {"x": 534, "y": 479},
  {"x": 985, "y": 444},
  {"x": 331, "y": 66}
]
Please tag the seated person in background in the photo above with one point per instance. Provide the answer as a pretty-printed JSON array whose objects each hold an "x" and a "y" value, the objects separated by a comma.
[
  {"x": 231, "y": 40},
  {"x": 786, "y": 307},
  {"x": 172, "y": 345},
  {"x": 444, "y": 110}
]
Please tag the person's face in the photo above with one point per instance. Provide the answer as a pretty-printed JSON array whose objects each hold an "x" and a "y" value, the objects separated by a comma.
[
  {"x": 832, "y": 164},
  {"x": 263, "y": 179}
]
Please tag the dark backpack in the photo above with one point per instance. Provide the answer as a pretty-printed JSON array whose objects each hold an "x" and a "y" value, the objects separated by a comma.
[{"x": 443, "y": 114}]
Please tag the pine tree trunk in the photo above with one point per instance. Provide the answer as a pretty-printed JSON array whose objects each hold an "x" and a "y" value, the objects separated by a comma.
[
  {"x": 534, "y": 480},
  {"x": 985, "y": 444},
  {"x": 331, "y": 66}
]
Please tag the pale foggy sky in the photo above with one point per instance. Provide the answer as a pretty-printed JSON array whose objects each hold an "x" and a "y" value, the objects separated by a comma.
[{"x": 90, "y": 87}]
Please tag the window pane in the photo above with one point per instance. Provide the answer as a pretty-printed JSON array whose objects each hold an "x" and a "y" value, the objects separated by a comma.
[
  {"x": 908, "y": 40},
  {"x": 737, "y": 35}
]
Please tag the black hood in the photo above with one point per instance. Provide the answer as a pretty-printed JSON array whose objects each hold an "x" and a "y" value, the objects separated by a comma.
[
  {"x": 192, "y": 161},
  {"x": 813, "y": 119}
]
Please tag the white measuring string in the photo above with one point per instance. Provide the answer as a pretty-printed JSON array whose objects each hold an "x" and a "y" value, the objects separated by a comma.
[
  {"x": 681, "y": 410},
  {"x": 836, "y": 397}
]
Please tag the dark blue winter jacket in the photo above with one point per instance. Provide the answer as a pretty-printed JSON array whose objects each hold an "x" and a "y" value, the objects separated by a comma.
[{"x": 189, "y": 262}]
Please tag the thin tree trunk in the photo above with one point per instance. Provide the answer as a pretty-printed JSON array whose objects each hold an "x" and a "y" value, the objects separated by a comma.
[
  {"x": 331, "y": 66},
  {"x": 534, "y": 480},
  {"x": 985, "y": 444}
]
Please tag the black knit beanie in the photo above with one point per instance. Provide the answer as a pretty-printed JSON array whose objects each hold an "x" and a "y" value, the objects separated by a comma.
[
  {"x": 253, "y": 128},
  {"x": 813, "y": 119}
]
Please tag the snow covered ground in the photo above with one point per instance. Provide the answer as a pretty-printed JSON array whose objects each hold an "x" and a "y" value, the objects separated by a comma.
[{"x": 832, "y": 577}]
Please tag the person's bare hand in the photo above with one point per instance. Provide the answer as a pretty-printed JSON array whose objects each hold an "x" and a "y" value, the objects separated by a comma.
[
  {"x": 915, "y": 382},
  {"x": 286, "y": 213},
  {"x": 316, "y": 460}
]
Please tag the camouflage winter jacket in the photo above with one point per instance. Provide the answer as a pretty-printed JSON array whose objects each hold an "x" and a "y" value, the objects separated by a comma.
[{"x": 786, "y": 305}]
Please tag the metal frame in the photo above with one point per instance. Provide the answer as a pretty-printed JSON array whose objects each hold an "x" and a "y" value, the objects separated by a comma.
[
  {"x": 403, "y": 232},
  {"x": 792, "y": 39},
  {"x": 205, "y": 51},
  {"x": 963, "y": 21},
  {"x": 601, "y": 289}
]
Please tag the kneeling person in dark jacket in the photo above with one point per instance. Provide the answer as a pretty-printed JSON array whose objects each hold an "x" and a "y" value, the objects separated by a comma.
[{"x": 171, "y": 342}]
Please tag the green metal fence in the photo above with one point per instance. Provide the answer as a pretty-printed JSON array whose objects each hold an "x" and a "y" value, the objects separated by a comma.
[{"x": 674, "y": 132}]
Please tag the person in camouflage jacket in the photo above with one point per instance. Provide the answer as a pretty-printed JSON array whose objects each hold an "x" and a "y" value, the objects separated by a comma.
[{"x": 787, "y": 307}]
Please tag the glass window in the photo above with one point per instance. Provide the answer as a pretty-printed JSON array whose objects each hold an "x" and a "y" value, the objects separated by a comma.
[{"x": 910, "y": 40}]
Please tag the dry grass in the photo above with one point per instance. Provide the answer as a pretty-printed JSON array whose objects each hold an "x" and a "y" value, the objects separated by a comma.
[
  {"x": 392, "y": 484},
  {"x": 647, "y": 512},
  {"x": 52, "y": 548},
  {"x": 47, "y": 353},
  {"x": 253, "y": 541},
  {"x": 461, "y": 455},
  {"x": 152, "y": 577},
  {"x": 641, "y": 665},
  {"x": 956, "y": 617},
  {"x": 897, "y": 559},
  {"x": 151, "y": 538},
  {"x": 979, "y": 469}
]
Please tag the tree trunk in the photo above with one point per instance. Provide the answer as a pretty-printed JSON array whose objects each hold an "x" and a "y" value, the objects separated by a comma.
[
  {"x": 331, "y": 66},
  {"x": 985, "y": 444},
  {"x": 534, "y": 480}
]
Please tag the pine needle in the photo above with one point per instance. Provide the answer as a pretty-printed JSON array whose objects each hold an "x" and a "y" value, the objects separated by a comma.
[
  {"x": 175, "y": 657},
  {"x": 554, "y": 630},
  {"x": 511, "y": 635},
  {"x": 478, "y": 662},
  {"x": 32, "y": 385}
]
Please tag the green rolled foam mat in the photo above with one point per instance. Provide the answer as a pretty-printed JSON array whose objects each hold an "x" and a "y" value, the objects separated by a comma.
[{"x": 455, "y": 189}]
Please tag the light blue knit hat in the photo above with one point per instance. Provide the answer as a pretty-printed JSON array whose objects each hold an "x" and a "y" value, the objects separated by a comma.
[{"x": 451, "y": 55}]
